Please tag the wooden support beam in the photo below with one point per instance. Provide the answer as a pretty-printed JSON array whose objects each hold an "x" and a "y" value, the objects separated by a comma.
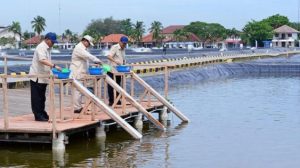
[
  {"x": 160, "y": 98},
  {"x": 134, "y": 103},
  {"x": 107, "y": 110}
]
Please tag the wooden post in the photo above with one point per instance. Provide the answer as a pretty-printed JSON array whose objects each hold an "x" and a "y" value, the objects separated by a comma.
[
  {"x": 132, "y": 87},
  {"x": 72, "y": 97},
  {"x": 123, "y": 100},
  {"x": 5, "y": 102},
  {"x": 5, "y": 65},
  {"x": 166, "y": 81},
  {"x": 61, "y": 99},
  {"x": 52, "y": 107},
  {"x": 93, "y": 104}
]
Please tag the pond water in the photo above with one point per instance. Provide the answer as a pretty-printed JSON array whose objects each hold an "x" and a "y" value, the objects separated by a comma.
[{"x": 235, "y": 122}]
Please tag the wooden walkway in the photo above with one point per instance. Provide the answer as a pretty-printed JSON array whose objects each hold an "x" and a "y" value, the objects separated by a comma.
[
  {"x": 17, "y": 123},
  {"x": 21, "y": 119}
]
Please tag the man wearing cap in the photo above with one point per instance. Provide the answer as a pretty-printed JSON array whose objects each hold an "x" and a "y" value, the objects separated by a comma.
[
  {"x": 41, "y": 65},
  {"x": 116, "y": 57},
  {"x": 79, "y": 66}
]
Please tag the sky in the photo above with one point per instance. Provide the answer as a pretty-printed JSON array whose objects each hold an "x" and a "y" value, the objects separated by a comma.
[{"x": 77, "y": 14}]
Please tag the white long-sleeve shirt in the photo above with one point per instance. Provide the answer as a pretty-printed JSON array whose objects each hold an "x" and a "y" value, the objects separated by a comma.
[{"x": 80, "y": 59}]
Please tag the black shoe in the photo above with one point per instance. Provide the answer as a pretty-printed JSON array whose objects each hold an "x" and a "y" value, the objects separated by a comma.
[
  {"x": 41, "y": 119},
  {"x": 78, "y": 110},
  {"x": 110, "y": 104},
  {"x": 45, "y": 115}
]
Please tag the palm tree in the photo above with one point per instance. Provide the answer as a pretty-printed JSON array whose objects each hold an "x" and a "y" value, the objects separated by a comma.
[
  {"x": 155, "y": 29},
  {"x": 138, "y": 31},
  {"x": 16, "y": 29},
  {"x": 126, "y": 27},
  {"x": 68, "y": 34},
  {"x": 38, "y": 24}
]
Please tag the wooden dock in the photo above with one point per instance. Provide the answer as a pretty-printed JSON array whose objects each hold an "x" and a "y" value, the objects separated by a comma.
[{"x": 17, "y": 123}]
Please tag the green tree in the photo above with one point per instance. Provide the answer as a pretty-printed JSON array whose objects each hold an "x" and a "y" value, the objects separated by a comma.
[
  {"x": 155, "y": 29},
  {"x": 276, "y": 21},
  {"x": 233, "y": 33},
  {"x": 103, "y": 27},
  {"x": 207, "y": 32},
  {"x": 38, "y": 24},
  {"x": 138, "y": 31},
  {"x": 257, "y": 31},
  {"x": 16, "y": 29},
  {"x": 181, "y": 35},
  {"x": 127, "y": 27},
  {"x": 27, "y": 35}
]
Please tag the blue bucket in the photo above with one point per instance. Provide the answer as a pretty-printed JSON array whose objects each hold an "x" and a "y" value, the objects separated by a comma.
[
  {"x": 60, "y": 75},
  {"x": 123, "y": 68},
  {"x": 95, "y": 71}
]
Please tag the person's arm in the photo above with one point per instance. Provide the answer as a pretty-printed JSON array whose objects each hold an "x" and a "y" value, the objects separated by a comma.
[
  {"x": 43, "y": 59},
  {"x": 110, "y": 56},
  {"x": 87, "y": 56},
  {"x": 50, "y": 64}
]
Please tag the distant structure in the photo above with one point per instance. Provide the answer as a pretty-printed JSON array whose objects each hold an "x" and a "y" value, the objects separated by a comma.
[
  {"x": 285, "y": 36},
  {"x": 6, "y": 34},
  {"x": 109, "y": 40},
  {"x": 169, "y": 38}
]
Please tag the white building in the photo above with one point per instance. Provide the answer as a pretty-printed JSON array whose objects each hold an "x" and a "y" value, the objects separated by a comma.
[
  {"x": 284, "y": 36},
  {"x": 4, "y": 32}
]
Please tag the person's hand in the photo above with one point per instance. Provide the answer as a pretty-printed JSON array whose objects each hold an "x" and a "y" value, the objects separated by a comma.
[
  {"x": 98, "y": 62},
  {"x": 58, "y": 67}
]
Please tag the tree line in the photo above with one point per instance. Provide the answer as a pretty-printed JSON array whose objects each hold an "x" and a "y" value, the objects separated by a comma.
[{"x": 207, "y": 32}]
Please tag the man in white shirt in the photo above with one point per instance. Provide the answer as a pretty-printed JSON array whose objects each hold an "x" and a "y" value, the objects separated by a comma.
[
  {"x": 116, "y": 57},
  {"x": 41, "y": 65},
  {"x": 79, "y": 66}
]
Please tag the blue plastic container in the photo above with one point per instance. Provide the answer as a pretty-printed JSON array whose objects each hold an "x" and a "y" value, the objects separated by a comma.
[
  {"x": 60, "y": 75},
  {"x": 95, "y": 71},
  {"x": 123, "y": 68}
]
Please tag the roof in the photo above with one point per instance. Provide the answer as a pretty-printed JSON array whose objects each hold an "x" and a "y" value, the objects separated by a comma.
[
  {"x": 33, "y": 40},
  {"x": 285, "y": 29},
  {"x": 171, "y": 29},
  {"x": 148, "y": 38},
  {"x": 112, "y": 38}
]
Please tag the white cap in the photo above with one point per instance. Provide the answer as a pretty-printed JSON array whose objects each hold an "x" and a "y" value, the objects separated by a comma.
[{"x": 89, "y": 38}]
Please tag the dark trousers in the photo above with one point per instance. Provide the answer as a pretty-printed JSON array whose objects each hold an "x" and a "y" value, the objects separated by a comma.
[
  {"x": 110, "y": 89},
  {"x": 38, "y": 99}
]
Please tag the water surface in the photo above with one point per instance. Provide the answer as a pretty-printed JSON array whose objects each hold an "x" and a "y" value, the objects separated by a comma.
[{"x": 237, "y": 122}]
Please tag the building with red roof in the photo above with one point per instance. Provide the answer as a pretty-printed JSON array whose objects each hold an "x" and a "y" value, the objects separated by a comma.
[
  {"x": 109, "y": 40},
  {"x": 169, "y": 40},
  {"x": 33, "y": 40}
]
